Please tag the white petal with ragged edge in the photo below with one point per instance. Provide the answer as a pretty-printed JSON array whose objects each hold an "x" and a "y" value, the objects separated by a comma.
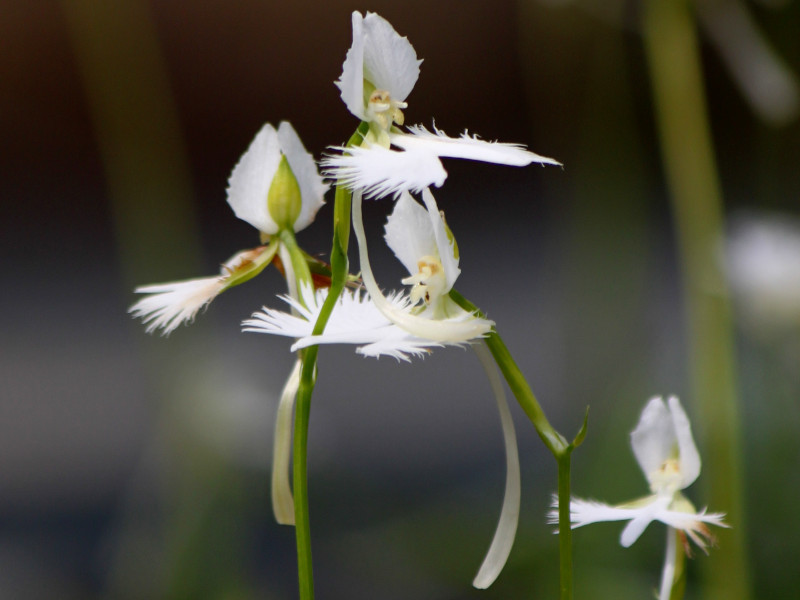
[
  {"x": 645, "y": 515},
  {"x": 506, "y": 530},
  {"x": 409, "y": 232},
  {"x": 281, "y": 490},
  {"x": 312, "y": 188},
  {"x": 249, "y": 183},
  {"x": 469, "y": 147},
  {"x": 354, "y": 320},
  {"x": 380, "y": 172},
  {"x": 170, "y": 304},
  {"x": 689, "y": 456}
]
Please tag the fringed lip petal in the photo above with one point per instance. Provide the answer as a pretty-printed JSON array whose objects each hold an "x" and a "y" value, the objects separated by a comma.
[
  {"x": 168, "y": 305},
  {"x": 355, "y": 320},
  {"x": 469, "y": 147},
  {"x": 380, "y": 171},
  {"x": 506, "y": 531},
  {"x": 281, "y": 490}
]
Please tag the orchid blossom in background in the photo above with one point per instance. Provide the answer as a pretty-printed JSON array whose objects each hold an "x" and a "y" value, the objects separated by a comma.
[
  {"x": 276, "y": 188},
  {"x": 665, "y": 450},
  {"x": 420, "y": 239}
]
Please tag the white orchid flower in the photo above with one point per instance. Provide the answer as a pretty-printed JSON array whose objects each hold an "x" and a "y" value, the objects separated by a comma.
[
  {"x": 276, "y": 188},
  {"x": 665, "y": 450},
  {"x": 378, "y": 74},
  {"x": 396, "y": 325},
  {"x": 403, "y": 326}
]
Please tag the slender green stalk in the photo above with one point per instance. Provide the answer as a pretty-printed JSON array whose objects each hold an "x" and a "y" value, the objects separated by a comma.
[
  {"x": 564, "y": 527},
  {"x": 339, "y": 271},
  {"x": 674, "y": 62},
  {"x": 555, "y": 442}
]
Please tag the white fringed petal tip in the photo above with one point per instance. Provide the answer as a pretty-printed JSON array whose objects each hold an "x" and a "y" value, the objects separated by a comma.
[
  {"x": 383, "y": 172},
  {"x": 250, "y": 181},
  {"x": 654, "y": 508},
  {"x": 354, "y": 320},
  {"x": 170, "y": 304}
]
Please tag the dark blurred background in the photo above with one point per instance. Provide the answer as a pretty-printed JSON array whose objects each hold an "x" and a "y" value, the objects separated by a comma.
[{"x": 133, "y": 466}]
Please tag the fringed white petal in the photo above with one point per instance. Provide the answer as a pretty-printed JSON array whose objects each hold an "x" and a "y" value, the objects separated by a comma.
[
  {"x": 282, "y": 501},
  {"x": 249, "y": 183},
  {"x": 380, "y": 172},
  {"x": 437, "y": 142},
  {"x": 462, "y": 328},
  {"x": 355, "y": 320},
  {"x": 170, "y": 304},
  {"x": 312, "y": 188},
  {"x": 645, "y": 515},
  {"x": 506, "y": 530},
  {"x": 585, "y": 512}
]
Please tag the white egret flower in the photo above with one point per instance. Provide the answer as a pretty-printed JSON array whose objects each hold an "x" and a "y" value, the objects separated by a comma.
[
  {"x": 403, "y": 326},
  {"x": 379, "y": 72},
  {"x": 275, "y": 187},
  {"x": 665, "y": 450}
]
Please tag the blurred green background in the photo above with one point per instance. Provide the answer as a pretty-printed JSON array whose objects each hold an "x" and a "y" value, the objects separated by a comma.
[{"x": 133, "y": 466}]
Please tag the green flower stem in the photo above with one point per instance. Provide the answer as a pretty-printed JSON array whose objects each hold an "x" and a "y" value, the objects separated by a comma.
[
  {"x": 339, "y": 271},
  {"x": 299, "y": 266},
  {"x": 555, "y": 442},
  {"x": 673, "y": 56}
]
